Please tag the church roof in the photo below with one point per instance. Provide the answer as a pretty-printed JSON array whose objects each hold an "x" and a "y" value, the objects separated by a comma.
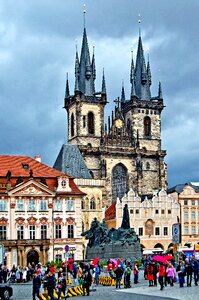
[
  {"x": 110, "y": 212},
  {"x": 179, "y": 187},
  {"x": 71, "y": 161}
]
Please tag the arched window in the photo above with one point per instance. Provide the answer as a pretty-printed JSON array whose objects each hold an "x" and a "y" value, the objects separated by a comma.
[
  {"x": 83, "y": 227},
  {"x": 91, "y": 123},
  {"x": 92, "y": 204},
  {"x": 147, "y": 126},
  {"x": 84, "y": 121},
  {"x": 72, "y": 125},
  {"x": 83, "y": 204},
  {"x": 119, "y": 181},
  {"x": 147, "y": 165}
]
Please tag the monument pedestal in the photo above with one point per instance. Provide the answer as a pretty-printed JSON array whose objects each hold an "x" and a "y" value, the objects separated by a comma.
[{"x": 114, "y": 250}]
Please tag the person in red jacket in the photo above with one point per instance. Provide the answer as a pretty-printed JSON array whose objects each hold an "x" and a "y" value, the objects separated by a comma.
[
  {"x": 110, "y": 268},
  {"x": 150, "y": 275},
  {"x": 161, "y": 271}
]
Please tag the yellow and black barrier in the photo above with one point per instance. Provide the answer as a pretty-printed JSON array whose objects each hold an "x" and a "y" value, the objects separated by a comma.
[
  {"x": 107, "y": 280},
  {"x": 72, "y": 292},
  {"x": 75, "y": 291}
]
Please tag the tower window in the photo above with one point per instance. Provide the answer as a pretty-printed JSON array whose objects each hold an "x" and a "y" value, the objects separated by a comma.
[
  {"x": 148, "y": 166},
  {"x": 84, "y": 121},
  {"x": 72, "y": 125},
  {"x": 147, "y": 126},
  {"x": 91, "y": 123}
]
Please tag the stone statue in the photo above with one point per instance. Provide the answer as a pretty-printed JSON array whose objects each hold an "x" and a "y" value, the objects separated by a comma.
[
  {"x": 106, "y": 243},
  {"x": 97, "y": 234},
  {"x": 125, "y": 219}
]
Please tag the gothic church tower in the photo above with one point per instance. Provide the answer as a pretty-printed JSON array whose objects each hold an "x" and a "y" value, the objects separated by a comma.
[
  {"x": 126, "y": 152},
  {"x": 86, "y": 108}
]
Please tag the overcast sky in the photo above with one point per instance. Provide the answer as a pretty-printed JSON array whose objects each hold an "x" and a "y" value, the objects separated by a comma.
[{"x": 37, "y": 48}]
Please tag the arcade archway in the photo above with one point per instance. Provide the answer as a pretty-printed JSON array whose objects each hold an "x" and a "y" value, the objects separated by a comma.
[{"x": 32, "y": 257}]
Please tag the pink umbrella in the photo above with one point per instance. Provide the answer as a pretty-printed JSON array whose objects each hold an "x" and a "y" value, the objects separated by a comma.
[
  {"x": 113, "y": 261},
  {"x": 159, "y": 258},
  {"x": 70, "y": 260}
]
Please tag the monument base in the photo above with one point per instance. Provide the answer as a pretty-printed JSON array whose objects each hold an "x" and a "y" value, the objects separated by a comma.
[{"x": 114, "y": 250}]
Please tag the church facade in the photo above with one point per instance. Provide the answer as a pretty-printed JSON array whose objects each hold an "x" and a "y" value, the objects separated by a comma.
[{"x": 126, "y": 151}]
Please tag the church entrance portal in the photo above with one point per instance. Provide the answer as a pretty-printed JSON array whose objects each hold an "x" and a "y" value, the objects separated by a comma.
[{"x": 32, "y": 257}]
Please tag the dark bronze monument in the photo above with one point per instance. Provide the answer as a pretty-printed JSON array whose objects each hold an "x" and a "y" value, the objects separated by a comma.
[{"x": 114, "y": 243}]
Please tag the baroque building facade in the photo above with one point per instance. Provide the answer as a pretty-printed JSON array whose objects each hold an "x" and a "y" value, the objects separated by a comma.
[
  {"x": 152, "y": 219},
  {"x": 126, "y": 152},
  {"x": 188, "y": 197},
  {"x": 40, "y": 212}
]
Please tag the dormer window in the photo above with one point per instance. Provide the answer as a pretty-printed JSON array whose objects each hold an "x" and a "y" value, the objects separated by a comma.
[{"x": 25, "y": 166}]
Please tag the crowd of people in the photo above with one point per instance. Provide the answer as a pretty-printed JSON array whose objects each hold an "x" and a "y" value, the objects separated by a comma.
[
  {"x": 186, "y": 271},
  {"x": 48, "y": 279}
]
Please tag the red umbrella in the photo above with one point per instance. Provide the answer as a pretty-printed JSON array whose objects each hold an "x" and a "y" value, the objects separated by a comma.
[
  {"x": 70, "y": 260},
  {"x": 168, "y": 257},
  {"x": 159, "y": 258},
  {"x": 95, "y": 261}
]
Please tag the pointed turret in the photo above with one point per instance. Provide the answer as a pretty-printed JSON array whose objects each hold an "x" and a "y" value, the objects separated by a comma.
[
  {"x": 122, "y": 93},
  {"x": 67, "y": 92},
  {"x": 103, "y": 84},
  {"x": 132, "y": 78},
  {"x": 132, "y": 72},
  {"x": 144, "y": 72},
  {"x": 149, "y": 72},
  {"x": 77, "y": 84},
  {"x": 93, "y": 64},
  {"x": 76, "y": 64},
  {"x": 160, "y": 91}
]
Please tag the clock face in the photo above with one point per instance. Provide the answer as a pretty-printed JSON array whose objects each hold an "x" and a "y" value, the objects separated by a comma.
[{"x": 119, "y": 123}]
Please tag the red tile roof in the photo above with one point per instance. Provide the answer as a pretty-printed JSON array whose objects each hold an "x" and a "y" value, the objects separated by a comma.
[
  {"x": 110, "y": 212},
  {"x": 17, "y": 166}
]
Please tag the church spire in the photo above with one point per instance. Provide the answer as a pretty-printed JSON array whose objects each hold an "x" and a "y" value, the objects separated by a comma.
[
  {"x": 123, "y": 93},
  {"x": 142, "y": 82},
  {"x": 103, "y": 84},
  {"x": 138, "y": 67},
  {"x": 86, "y": 81},
  {"x": 160, "y": 91}
]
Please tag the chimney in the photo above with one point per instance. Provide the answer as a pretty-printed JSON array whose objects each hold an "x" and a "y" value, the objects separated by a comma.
[{"x": 38, "y": 158}]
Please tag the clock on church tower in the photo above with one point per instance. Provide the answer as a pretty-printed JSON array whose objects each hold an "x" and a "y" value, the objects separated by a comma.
[{"x": 119, "y": 123}]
